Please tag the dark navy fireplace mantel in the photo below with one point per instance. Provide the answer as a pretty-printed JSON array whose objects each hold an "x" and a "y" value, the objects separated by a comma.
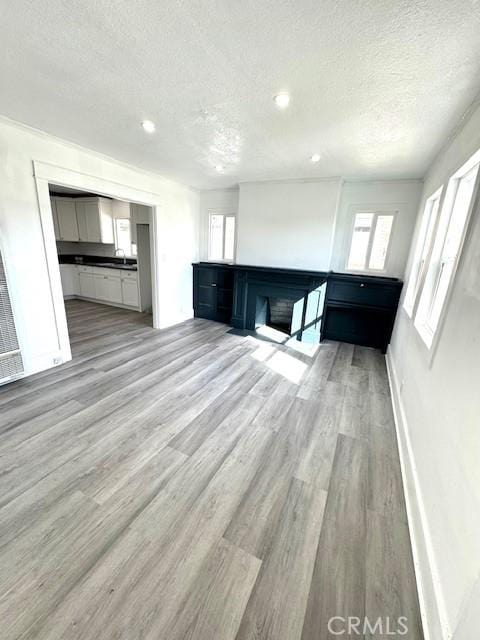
[{"x": 351, "y": 308}]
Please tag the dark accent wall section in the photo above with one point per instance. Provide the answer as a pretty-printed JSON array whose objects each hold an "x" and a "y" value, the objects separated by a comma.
[{"x": 350, "y": 308}]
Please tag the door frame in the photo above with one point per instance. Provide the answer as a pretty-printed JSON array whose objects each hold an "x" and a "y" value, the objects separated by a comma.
[{"x": 45, "y": 173}]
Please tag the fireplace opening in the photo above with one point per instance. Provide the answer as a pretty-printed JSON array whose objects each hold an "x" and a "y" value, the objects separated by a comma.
[
  {"x": 275, "y": 312},
  {"x": 280, "y": 312}
]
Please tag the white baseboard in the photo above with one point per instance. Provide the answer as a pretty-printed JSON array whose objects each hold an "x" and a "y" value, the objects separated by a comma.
[{"x": 435, "y": 624}]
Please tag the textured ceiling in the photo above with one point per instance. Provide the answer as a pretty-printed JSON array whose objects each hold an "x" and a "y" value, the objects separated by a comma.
[{"x": 375, "y": 85}]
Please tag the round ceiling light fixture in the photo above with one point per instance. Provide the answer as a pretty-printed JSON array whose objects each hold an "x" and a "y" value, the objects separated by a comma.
[
  {"x": 282, "y": 100},
  {"x": 315, "y": 157},
  {"x": 148, "y": 126}
]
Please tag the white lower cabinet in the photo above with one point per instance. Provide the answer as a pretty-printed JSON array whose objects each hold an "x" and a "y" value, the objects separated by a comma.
[
  {"x": 70, "y": 281},
  {"x": 87, "y": 285},
  {"x": 130, "y": 292},
  {"x": 108, "y": 288},
  {"x": 102, "y": 284}
]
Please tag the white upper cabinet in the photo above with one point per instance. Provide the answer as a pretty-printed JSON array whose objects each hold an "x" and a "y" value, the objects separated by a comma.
[
  {"x": 83, "y": 219},
  {"x": 95, "y": 222},
  {"x": 67, "y": 219},
  {"x": 53, "y": 205}
]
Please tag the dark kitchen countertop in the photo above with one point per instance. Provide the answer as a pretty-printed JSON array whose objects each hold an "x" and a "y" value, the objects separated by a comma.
[{"x": 99, "y": 261}]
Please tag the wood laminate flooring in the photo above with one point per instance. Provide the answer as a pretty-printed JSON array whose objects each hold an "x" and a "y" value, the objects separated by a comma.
[{"x": 193, "y": 484}]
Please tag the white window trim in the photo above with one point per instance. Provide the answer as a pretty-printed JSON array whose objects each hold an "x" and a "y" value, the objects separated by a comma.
[
  {"x": 226, "y": 214},
  {"x": 376, "y": 212},
  {"x": 429, "y": 338},
  {"x": 439, "y": 195}
]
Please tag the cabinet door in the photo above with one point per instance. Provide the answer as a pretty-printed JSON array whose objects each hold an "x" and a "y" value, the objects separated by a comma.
[
  {"x": 92, "y": 219},
  {"x": 67, "y": 220},
  {"x": 81, "y": 221},
  {"x": 53, "y": 205},
  {"x": 102, "y": 291},
  {"x": 206, "y": 293},
  {"x": 69, "y": 276},
  {"x": 115, "y": 290},
  {"x": 130, "y": 292},
  {"x": 87, "y": 285}
]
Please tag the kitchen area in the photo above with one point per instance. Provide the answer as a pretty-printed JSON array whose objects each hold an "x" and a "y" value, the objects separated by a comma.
[{"x": 103, "y": 248}]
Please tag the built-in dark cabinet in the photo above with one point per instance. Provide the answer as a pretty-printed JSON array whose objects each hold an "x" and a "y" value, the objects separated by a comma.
[
  {"x": 357, "y": 309},
  {"x": 361, "y": 309},
  {"x": 213, "y": 292}
]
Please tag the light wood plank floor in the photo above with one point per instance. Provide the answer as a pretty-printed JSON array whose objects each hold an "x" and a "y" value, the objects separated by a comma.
[{"x": 194, "y": 484}]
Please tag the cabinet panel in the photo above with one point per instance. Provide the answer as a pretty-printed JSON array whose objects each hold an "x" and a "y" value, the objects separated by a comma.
[
  {"x": 92, "y": 218},
  {"x": 53, "y": 205},
  {"x": 115, "y": 290},
  {"x": 213, "y": 293},
  {"x": 87, "y": 284},
  {"x": 67, "y": 220},
  {"x": 81, "y": 222},
  {"x": 69, "y": 276},
  {"x": 101, "y": 287},
  {"x": 130, "y": 292}
]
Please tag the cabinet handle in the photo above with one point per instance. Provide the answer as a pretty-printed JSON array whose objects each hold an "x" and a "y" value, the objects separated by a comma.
[
  {"x": 362, "y": 285},
  {"x": 213, "y": 284}
]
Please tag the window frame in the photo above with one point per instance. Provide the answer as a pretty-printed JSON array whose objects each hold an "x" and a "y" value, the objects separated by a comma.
[
  {"x": 376, "y": 213},
  {"x": 410, "y": 304},
  {"x": 225, "y": 214},
  {"x": 430, "y": 336}
]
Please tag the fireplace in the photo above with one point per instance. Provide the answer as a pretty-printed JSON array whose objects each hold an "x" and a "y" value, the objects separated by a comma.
[{"x": 276, "y": 312}]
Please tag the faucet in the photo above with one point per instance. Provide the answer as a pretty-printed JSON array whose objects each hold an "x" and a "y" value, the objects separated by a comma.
[{"x": 123, "y": 251}]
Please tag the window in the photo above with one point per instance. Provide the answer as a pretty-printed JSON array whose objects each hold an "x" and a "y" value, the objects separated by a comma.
[
  {"x": 370, "y": 241},
  {"x": 422, "y": 250},
  {"x": 123, "y": 237},
  {"x": 221, "y": 237},
  {"x": 446, "y": 250}
]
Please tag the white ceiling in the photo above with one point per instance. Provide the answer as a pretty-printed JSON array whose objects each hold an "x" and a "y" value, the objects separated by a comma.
[{"x": 375, "y": 86}]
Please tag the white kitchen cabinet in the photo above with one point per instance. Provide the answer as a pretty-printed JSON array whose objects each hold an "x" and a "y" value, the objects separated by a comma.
[
  {"x": 130, "y": 292},
  {"x": 95, "y": 220},
  {"x": 70, "y": 281},
  {"x": 106, "y": 285},
  {"x": 87, "y": 284},
  {"x": 108, "y": 288},
  {"x": 53, "y": 205},
  {"x": 67, "y": 219}
]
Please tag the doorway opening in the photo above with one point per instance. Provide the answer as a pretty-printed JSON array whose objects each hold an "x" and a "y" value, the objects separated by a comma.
[{"x": 105, "y": 260}]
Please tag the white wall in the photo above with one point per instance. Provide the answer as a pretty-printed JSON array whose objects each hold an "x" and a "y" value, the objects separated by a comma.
[
  {"x": 439, "y": 410},
  {"x": 390, "y": 195},
  {"x": 308, "y": 224},
  {"x": 214, "y": 201},
  {"x": 22, "y": 239},
  {"x": 287, "y": 224}
]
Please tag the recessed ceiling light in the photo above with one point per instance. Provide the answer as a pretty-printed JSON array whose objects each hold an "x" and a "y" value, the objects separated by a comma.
[
  {"x": 220, "y": 168},
  {"x": 282, "y": 100},
  {"x": 315, "y": 157},
  {"x": 148, "y": 126}
]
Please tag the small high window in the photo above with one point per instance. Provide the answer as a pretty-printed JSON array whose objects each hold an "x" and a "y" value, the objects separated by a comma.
[
  {"x": 447, "y": 246},
  {"x": 221, "y": 237},
  {"x": 370, "y": 241}
]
